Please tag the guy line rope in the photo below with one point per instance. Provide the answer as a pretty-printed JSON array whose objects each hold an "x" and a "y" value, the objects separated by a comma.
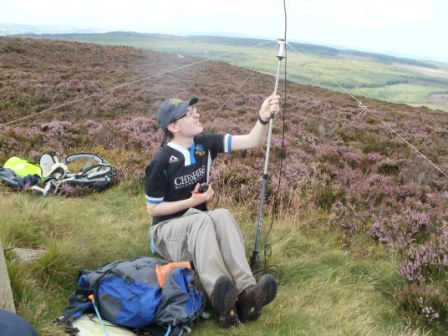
[
  {"x": 364, "y": 109},
  {"x": 123, "y": 85}
]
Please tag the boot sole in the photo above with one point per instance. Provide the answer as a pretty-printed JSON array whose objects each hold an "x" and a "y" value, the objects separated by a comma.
[
  {"x": 224, "y": 301},
  {"x": 267, "y": 290}
]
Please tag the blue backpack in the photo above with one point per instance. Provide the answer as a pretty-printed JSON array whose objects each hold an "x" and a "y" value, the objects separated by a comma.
[{"x": 130, "y": 293}]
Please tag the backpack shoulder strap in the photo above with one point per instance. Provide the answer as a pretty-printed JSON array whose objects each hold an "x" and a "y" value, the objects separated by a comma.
[{"x": 78, "y": 304}]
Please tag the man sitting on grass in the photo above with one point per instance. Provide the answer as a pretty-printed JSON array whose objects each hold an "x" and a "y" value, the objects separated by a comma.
[{"x": 183, "y": 229}]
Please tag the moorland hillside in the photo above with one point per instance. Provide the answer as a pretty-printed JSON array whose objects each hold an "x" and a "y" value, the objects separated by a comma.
[{"x": 344, "y": 161}]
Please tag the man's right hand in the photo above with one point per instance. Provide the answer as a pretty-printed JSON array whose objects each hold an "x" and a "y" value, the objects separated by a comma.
[{"x": 199, "y": 197}]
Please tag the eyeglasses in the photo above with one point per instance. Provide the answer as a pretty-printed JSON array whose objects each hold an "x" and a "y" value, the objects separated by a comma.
[{"x": 190, "y": 111}]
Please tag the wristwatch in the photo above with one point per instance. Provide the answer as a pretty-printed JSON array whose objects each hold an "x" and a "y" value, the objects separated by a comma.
[{"x": 263, "y": 122}]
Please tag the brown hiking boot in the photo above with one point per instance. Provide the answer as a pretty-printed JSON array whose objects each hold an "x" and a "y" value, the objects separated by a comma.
[
  {"x": 223, "y": 298},
  {"x": 253, "y": 298}
]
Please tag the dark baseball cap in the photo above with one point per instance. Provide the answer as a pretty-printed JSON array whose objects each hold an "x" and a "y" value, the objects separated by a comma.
[{"x": 172, "y": 109}]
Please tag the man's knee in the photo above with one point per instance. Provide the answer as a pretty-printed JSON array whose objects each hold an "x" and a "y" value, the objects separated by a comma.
[
  {"x": 223, "y": 219},
  {"x": 203, "y": 223},
  {"x": 220, "y": 214}
]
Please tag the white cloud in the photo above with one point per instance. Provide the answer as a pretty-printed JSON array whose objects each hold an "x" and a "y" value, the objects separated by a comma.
[
  {"x": 353, "y": 23},
  {"x": 371, "y": 14}
]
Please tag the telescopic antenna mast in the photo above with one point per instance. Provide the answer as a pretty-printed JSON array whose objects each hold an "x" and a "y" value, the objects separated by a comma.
[{"x": 255, "y": 259}]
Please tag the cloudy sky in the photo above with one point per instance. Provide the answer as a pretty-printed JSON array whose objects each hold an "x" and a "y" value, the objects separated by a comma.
[{"x": 413, "y": 28}]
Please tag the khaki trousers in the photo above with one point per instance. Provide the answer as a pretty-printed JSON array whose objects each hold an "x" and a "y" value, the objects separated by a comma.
[{"x": 212, "y": 240}]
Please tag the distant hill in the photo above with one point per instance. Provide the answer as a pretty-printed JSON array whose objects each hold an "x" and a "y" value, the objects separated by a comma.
[
  {"x": 120, "y": 36},
  {"x": 384, "y": 77},
  {"x": 7, "y": 29}
]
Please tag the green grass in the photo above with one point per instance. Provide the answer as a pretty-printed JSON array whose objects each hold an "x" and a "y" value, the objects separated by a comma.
[
  {"x": 410, "y": 94},
  {"x": 325, "y": 288}
]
